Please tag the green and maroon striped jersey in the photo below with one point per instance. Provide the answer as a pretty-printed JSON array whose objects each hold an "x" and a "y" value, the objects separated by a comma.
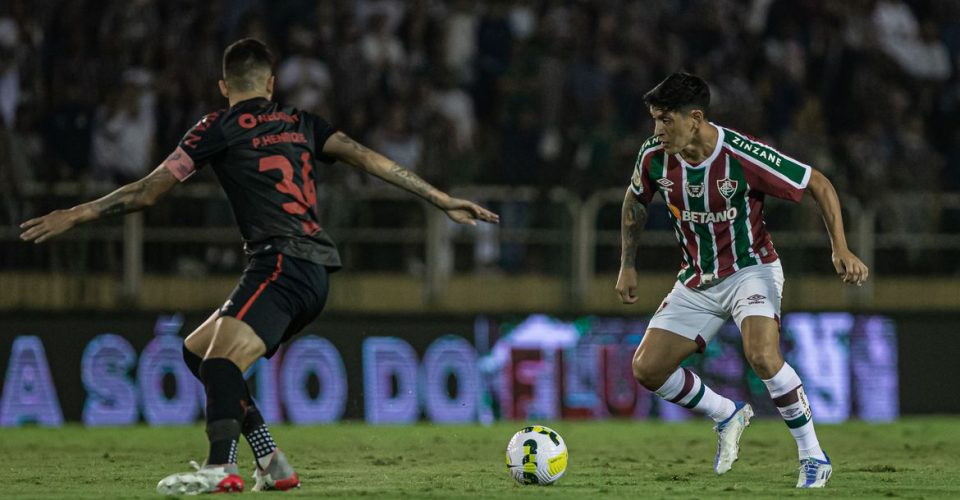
[{"x": 717, "y": 206}]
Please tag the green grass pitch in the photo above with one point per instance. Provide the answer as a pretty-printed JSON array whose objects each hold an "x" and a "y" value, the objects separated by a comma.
[{"x": 914, "y": 458}]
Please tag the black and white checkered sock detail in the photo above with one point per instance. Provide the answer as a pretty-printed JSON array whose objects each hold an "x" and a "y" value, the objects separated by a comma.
[
  {"x": 233, "y": 452},
  {"x": 261, "y": 441}
]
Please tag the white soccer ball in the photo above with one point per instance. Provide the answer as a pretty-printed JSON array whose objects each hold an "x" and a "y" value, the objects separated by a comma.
[{"x": 536, "y": 455}]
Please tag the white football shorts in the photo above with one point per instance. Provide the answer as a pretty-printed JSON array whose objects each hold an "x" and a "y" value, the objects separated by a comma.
[{"x": 698, "y": 314}]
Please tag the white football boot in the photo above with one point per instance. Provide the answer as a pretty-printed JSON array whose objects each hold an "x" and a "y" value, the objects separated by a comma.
[
  {"x": 814, "y": 473},
  {"x": 728, "y": 437},
  {"x": 206, "y": 479},
  {"x": 277, "y": 475}
]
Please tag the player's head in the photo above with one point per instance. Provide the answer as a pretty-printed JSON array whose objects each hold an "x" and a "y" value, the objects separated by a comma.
[
  {"x": 678, "y": 105},
  {"x": 247, "y": 69}
]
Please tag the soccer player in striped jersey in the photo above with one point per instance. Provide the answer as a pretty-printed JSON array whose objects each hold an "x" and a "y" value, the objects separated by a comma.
[{"x": 714, "y": 181}]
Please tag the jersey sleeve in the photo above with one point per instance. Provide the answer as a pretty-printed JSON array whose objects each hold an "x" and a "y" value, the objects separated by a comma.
[
  {"x": 201, "y": 143},
  {"x": 640, "y": 181},
  {"x": 772, "y": 172},
  {"x": 321, "y": 132}
]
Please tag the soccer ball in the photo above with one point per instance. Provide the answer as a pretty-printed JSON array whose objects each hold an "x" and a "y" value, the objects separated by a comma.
[{"x": 536, "y": 455}]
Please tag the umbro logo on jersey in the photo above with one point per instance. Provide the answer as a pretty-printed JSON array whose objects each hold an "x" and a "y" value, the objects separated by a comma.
[
  {"x": 727, "y": 187},
  {"x": 694, "y": 190},
  {"x": 665, "y": 184},
  {"x": 756, "y": 299}
]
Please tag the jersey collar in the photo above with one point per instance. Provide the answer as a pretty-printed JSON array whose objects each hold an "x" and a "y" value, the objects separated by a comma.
[
  {"x": 258, "y": 101},
  {"x": 709, "y": 159}
]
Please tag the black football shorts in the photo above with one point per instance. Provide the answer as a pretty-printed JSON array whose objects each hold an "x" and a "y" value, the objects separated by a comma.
[{"x": 278, "y": 296}]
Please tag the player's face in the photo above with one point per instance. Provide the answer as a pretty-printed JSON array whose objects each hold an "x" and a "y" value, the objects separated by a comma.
[{"x": 674, "y": 129}]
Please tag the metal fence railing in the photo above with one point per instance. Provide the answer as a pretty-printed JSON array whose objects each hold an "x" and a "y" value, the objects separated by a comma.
[{"x": 552, "y": 232}]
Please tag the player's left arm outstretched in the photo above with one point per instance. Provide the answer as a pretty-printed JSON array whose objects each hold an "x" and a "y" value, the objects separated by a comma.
[
  {"x": 344, "y": 148},
  {"x": 850, "y": 268},
  {"x": 129, "y": 198}
]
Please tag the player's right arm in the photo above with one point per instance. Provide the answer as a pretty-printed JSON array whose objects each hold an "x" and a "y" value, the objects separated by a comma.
[
  {"x": 633, "y": 218},
  {"x": 197, "y": 146},
  {"x": 130, "y": 198}
]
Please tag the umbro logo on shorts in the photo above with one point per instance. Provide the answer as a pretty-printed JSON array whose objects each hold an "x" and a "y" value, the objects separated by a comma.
[{"x": 756, "y": 299}]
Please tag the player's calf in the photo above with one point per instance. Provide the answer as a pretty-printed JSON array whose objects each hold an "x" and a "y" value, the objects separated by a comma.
[{"x": 225, "y": 390}]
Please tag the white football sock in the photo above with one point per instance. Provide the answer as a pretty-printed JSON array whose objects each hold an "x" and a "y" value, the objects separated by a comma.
[
  {"x": 685, "y": 388},
  {"x": 787, "y": 393}
]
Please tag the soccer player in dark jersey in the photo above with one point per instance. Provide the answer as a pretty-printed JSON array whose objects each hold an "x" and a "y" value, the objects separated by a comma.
[
  {"x": 265, "y": 156},
  {"x": 714, "y": 181}
]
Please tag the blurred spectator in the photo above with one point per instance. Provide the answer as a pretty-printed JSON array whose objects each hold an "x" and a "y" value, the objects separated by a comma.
[
  {"x": 303, "y": 79},
  {"x": 381, "y": 49},
  {"x": 123, "y": 130},
  {"x": 460, "y": 38},
  {"x": 395, "y": 139},
  {"x": 454, "y": 105},
  {"x": 918, "y": 50},
  {"x": 9, "y": 72}
]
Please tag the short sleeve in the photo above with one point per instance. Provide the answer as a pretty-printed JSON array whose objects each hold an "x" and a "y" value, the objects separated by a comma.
[
  {"x": 640, "y": 181},
  {"x": 197, "y": 147},
  {"x": 321, "y": 133},
  {"x": 771, "y": 172}
]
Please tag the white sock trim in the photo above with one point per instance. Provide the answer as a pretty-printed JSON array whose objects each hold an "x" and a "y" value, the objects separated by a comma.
[
  {"x": 783, "y": 382},
  {"x": 672, "y": 387}
]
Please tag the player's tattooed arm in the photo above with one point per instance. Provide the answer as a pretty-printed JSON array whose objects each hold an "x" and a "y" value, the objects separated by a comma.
[
  {"x": 129, "y": 198},
  {"x": 342, "y": 147},
  {"x": 850, "y": 268},
  {"x": 633, "y": 220},
  {"x": 356, "y": 154}
]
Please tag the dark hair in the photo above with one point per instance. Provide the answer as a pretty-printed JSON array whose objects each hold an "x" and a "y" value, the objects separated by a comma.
[
  {"x": 245, "y": 59},
  {"x": 679, "y": 92}
]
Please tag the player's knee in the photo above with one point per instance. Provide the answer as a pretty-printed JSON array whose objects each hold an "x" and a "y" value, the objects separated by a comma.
[
  {"x": 646, "y": 374},
  {"x": 765, "y": 362},
  {"x": 236, "y": 342}
]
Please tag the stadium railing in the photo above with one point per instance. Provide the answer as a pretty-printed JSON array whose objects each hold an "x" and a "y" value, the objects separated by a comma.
[{"x": 558, "y": 233}]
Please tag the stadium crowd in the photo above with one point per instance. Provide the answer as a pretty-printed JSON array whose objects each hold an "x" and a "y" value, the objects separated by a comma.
[{"x": 535, "y": 92}]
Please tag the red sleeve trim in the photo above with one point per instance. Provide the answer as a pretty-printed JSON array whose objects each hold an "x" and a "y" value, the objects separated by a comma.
[{"x": 180, "y": 164}]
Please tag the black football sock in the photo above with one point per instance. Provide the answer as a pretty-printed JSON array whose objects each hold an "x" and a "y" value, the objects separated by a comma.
[
  {"x": 254, "y": 429},
  {"x": 226, "y": 391}
]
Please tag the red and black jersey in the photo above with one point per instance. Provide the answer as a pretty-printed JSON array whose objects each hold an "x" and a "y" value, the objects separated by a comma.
[{"x": 264, "y": 155}]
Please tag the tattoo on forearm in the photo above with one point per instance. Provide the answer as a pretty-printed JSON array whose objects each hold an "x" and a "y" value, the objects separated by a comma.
[
  {"x": 129, "y": 198},
  {"x": 394, "y": 173},
  {"x": 634, "y": 219},
  {"x": 412, "y": 182},
  {"x": 357, "y": 147}
]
